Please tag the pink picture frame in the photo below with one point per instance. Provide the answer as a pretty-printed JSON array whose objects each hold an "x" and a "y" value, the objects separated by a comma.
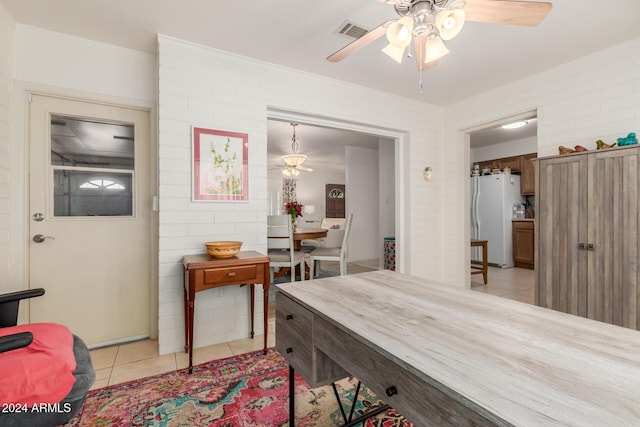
[{"x": 220, "y": 165}]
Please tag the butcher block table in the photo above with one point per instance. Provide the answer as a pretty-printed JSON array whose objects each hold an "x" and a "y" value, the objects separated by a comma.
[
  {"x": 202, "y": 272},
  {"x": 447, "y": 356}
]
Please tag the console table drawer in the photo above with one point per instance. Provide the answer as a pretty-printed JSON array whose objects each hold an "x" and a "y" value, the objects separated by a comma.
[
  {"x": 414, "y": 397},
  {"x": 294, "y": 334},
  {"x": 240, "y": 274}
]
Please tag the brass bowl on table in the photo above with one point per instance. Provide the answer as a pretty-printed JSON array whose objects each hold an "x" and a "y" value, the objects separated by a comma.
[{"x": 224, "y": 249}]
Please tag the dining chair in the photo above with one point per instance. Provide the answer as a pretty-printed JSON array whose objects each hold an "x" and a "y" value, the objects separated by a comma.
[
  {"x": 280, "y": 246},
  {"x": 332, "y": 254}
]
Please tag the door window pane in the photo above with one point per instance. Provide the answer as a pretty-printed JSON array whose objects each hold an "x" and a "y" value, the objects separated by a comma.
[
  {"x": 92, "y": 193},
  {"x": 93, "y": 165}
]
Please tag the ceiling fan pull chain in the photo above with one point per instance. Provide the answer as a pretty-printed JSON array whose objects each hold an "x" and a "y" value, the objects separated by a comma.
[{"x": 420, "y": 82}]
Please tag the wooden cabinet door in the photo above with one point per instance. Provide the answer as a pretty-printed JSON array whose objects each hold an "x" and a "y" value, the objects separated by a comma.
[
  {"x": 488, "y": 164},
  {"x": 512, "y": 163},
  {"x": 527, "y": 175},
  {"x": 613, "y": 231},
  {"x": 561, "y": 224},
  {"x": 523, "y": 244}
]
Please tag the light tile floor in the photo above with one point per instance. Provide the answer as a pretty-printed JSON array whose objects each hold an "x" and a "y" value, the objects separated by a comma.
[
  {"x": 126, "y": 362},
  {"x": 140, "y": 359},
  {"x": 513, "y": 283}
]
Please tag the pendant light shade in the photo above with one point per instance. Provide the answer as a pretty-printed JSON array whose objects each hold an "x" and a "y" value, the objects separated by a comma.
[
  {"x": 399, "y": 36},
  {"x": 434, "y": 49},
  {"x": 294, "y": 159},
  {"x": 449, "y": 23},
  {"x": 290, "y": 172}
]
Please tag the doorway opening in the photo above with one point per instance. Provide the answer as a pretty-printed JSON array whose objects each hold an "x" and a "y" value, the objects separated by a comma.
[
  {"x": 363, "y": 158},
  {"x": 502, "y": 180}
]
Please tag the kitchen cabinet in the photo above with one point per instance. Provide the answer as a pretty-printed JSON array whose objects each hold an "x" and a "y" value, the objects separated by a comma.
[
  {"x": 488, "y": 164},
  {"x": 587, "y": 234},
  {"x": 512, "y": 163},
  {"x": 522, "y": 164},
  {"x": 527, "y": 174},
  {"x": 523, "y": 243}
]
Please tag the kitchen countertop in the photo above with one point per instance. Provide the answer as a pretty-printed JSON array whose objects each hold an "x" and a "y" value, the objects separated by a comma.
[{"x": 523, "y": 219}]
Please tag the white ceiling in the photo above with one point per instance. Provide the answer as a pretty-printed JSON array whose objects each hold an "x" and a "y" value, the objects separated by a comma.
[{"x": 300, "y": 34}]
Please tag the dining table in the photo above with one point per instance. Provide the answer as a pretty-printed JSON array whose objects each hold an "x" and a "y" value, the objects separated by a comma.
[{"x": 307, "y": 233}]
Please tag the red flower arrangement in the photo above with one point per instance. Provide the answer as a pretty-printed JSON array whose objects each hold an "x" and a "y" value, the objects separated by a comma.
[{"x": 294, "y": 209}]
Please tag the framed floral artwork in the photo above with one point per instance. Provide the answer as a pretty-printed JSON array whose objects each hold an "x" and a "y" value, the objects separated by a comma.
[{"x": 220, "y": 165}]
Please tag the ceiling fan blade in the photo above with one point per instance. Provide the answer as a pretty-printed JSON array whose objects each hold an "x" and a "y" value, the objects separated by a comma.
[
  {"x": 420, "y": 44},
  {"x": 528, "y": 13},
  {"x": 359, "y": 43},
  {"x": 304, "y": 168}
]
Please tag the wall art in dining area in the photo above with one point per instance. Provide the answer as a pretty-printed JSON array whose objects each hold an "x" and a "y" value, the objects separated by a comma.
[{"x": 220, "y": 165}]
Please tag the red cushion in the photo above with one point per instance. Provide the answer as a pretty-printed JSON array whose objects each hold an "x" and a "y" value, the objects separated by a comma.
[{"x": 42, "y": 372}]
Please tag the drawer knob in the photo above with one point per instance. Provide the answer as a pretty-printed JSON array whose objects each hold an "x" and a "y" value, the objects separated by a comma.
[
  {"x": 232, "y": 274},
  {"x": 289, "y": 316},
  {"x": 390, "y": 391},
  {"x": 289, "y": 350}
]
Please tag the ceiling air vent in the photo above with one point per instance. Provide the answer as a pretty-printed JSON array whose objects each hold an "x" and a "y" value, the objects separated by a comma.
[{"x": 351, "y": 30}]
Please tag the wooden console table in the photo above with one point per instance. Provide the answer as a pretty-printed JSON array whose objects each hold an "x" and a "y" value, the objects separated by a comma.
[
  {"x": 449, "y": 356},
  {"x": 202, "y": 272}
]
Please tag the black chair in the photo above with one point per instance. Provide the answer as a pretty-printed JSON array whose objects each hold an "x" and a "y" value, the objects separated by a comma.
[{"x": 84, "y": 374}]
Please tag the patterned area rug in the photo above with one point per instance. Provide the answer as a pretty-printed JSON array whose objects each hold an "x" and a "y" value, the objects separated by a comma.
[{"x": 247, "y": 390}]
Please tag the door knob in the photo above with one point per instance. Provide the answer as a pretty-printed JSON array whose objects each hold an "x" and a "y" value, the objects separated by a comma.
[{"x": 39, "y": 238}]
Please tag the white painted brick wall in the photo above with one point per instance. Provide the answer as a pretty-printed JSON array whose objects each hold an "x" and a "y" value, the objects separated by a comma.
[
  {"x": 205, "y": 87},
  {"x": 595, "y": 97},
  {"x": 6, "y": 83}
]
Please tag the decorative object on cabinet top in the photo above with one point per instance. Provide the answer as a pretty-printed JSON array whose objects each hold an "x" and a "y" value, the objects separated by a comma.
[
  {"x": 223, "y": 249},
  {"x": 565, "y": 150},
  {"x": 601, "y": 145},
  {"x": 629, "y": 140}
]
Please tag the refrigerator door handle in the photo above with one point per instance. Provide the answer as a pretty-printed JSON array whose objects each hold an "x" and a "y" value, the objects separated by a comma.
[{"x": 474, "y": 209}]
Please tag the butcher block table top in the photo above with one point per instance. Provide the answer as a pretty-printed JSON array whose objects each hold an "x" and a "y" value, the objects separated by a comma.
[{"x": 510, "y": 362}]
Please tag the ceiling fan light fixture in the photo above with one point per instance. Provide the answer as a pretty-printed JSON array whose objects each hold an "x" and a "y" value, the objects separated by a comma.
[
  {"x": 294, "y": 160},
  {"x": 290, "y": 172},
  {"x": 434, "y": 49},
  {"x": 399, "y": 36},
  {"x": 449, "y": 23}
]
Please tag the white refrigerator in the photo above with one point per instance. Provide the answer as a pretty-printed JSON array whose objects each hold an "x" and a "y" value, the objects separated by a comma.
[{"x": 492, "y": 199}]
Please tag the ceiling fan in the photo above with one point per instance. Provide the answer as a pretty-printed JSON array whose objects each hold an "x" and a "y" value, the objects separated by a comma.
[
  {"x": 293, "y": 162},
  {"x": 429, "y": 22}
]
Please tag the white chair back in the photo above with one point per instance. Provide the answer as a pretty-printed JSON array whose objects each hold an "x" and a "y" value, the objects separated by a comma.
[
  {"x": 280, "y": 246},
  {"x": 345, "y": 239},
  {"x": 279, "y": 232}
]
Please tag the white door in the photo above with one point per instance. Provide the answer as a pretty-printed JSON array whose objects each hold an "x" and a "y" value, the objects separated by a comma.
[{"x": 89, "y": 224}]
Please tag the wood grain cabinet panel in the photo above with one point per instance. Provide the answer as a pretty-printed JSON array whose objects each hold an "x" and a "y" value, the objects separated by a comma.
[
  {"x": 527, "y": 174},
  {"x": 240, "y": 275},
  {"x": 587, "y": 235},
  {"x": 415, "y": 397},
  {"x": 512, "y": 163},
  {"x": 523, "y": 244},
  {"x": 488, "y": 164},
  {"x": 294, "y": 326}
]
